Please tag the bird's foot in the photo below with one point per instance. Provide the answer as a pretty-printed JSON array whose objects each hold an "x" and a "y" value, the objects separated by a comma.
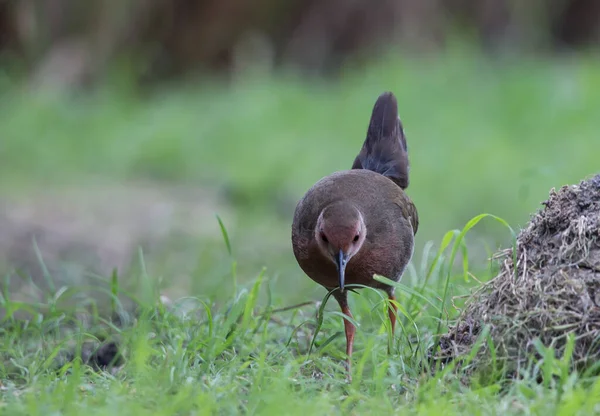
[{"x": 348, "y": 368}]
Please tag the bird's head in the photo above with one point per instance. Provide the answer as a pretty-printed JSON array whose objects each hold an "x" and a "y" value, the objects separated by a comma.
[{"x": 340, "y": 233}]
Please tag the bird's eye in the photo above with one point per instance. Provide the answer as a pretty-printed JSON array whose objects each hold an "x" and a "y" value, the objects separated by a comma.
[
  {"x": 324, "y": 238},
  {"x": 355, "y": 238}
]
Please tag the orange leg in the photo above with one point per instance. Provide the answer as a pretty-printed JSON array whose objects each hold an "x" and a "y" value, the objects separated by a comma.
[
  {"x": 349, "y": 328},
  {"x": 392, "y": 312}
]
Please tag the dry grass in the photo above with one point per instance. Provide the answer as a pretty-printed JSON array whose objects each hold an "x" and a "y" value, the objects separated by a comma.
[{"x": 553, "y": 291}]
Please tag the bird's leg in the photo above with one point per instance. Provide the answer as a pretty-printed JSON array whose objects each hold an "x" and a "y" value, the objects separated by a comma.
[
  {"x": 350, "y": 330},
  {"x": 392, "y": 312}
]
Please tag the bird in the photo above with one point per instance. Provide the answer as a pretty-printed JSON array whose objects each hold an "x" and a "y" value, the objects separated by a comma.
[{"x": 356, "y": 223}]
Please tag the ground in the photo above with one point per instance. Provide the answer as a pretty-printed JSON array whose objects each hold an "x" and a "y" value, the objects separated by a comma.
[{"x": 204, "y": 332}]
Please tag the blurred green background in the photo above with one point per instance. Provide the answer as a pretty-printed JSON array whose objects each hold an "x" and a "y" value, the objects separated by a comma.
[{"x": 127, "y": 125}]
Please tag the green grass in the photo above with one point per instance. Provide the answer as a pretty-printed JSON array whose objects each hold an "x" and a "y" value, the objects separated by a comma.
[
  {"x": 484, "y": 137},
  {"x": 247, "y": 356}
]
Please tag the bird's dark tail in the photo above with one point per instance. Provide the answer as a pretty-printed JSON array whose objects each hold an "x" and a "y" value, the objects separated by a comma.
[{"x": 384, "y": 150}]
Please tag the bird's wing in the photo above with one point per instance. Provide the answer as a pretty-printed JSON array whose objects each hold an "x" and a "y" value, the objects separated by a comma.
[{"x": 409, "y": 210}]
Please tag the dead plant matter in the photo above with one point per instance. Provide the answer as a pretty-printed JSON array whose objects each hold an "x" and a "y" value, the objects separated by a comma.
[{"x": 553, "y": 291}]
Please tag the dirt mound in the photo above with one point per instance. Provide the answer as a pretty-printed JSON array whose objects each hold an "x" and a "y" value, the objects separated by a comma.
[{"x": 553, "y": 291}]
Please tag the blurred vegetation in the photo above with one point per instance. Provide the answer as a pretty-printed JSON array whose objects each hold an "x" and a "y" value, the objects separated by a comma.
[
  {"x": 213, "y": 97},
  {"x": 484, "y": 136},
  {"x": 75, "y": 43}
]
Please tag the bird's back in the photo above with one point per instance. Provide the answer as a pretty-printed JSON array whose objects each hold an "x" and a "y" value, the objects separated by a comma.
[{"x": 369, "y": 191}]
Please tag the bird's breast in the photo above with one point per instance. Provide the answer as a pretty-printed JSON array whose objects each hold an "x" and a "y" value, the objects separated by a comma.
[{"x": 360, "y": 268}]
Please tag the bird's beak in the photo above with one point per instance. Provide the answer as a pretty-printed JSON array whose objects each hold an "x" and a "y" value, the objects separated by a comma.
[{"x": 341, "y": 260}]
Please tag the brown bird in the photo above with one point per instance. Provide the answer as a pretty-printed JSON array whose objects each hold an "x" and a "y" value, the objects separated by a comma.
[{"x": 356, "y": 223}]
